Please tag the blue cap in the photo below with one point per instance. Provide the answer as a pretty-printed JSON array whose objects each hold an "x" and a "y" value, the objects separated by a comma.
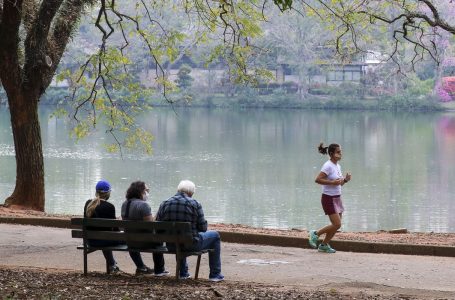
[{"x": 103, "y": 186}]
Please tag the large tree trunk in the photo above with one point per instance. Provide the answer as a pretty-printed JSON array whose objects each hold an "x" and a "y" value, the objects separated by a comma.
[
  {"x": 29, "y": 190},
  {"x": 26, "y": 70}
]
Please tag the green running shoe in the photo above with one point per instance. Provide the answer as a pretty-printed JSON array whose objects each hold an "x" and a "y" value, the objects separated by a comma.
[
  {"x": 326, "y": 248},
  {"x": 313, "y": 239}
]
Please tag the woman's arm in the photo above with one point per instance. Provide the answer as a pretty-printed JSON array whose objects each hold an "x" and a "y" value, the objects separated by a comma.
[
  {"x": 149, "y": 218},
  {"x": 110, "y": 213},
  {"x": 322, "y": 179}
]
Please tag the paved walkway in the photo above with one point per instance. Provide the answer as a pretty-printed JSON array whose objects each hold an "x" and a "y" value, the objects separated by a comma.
[{"x": 46, "y": 247}]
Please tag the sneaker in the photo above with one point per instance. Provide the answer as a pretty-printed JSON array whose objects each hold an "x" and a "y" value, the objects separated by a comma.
[
  {"x": 114, "y": 269},
  {"x": 187, "y": 276},
  {"x": 313, "y": 239},
  {"x": 161, "y": 274},
  {"x": 326, "y": 248},
  {"x": 217, "y": 278},
  {"x": 144, "y": 271}
]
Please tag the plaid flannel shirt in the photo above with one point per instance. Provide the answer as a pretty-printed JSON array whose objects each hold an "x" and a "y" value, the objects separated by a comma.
[{"x": 181, "y": 208}]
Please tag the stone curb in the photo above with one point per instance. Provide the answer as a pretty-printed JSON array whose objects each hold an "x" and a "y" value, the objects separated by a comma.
[
  {"x": 45, "y": 222},
  {"x": 341, "y": 245},
  {"x": 277, "y": 240}
]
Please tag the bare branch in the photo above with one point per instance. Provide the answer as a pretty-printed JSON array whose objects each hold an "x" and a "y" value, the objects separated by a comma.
[
  {"x": 112, "y": 133},
  {"x": 91, "y": 98},
  {"x": 151, "y": 19},
  {"x": 414, "y": 16},
  {"x": 159, "y": 70},
  {"x": 101, "y": 14}
]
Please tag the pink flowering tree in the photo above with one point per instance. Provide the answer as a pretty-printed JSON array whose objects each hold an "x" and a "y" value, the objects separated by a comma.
[
  {"x": 442, "y": 90},
  {"x": 442, "y": 93}
]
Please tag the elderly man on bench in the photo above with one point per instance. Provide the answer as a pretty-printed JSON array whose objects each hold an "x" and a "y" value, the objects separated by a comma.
[{"x": 183, "y": 208}]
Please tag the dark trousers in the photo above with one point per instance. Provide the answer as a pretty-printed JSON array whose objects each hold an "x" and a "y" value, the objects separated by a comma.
[
  {"x": 158, "y": 258},
  {"x": 135, "y": 256},
  {"x": 107, "y": 253},
  {"x": 158, "y": 261}
]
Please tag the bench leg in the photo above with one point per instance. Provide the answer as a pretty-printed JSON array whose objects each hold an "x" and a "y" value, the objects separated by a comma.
[
  {"x": 197, "y": 266},
  {"x": 85, "y": 262},
  {"x": 177, "y": 266},
  {"x": 108, "y": 270}
]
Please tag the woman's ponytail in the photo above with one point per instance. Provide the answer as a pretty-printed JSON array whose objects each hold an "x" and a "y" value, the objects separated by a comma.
[
  {"x": 92, "y": 206},
  {"x": 322, "y": 149},
  {"x": 330, "y": 150}
]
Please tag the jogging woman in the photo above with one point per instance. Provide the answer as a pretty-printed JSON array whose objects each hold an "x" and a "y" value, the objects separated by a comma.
[{"x": 331, "y": 180}]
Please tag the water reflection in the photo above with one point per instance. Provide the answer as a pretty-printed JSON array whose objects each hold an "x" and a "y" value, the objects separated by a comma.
[{"x": 257, "y": 167}]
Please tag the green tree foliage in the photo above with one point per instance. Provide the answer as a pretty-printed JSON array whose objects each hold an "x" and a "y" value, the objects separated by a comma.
[
  {"x": 149, "y": 35},
  {"x": 184, "y": 79},
  {"x": 417, "y": 23},
  {"x": 34, "y": 35}
]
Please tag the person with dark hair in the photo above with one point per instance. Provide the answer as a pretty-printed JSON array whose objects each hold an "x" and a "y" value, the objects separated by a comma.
[
  {"x": 135, "y": 207},
  {"x": 183, "y": 208},
  {"x": 99, "y": 207},
  {"x": 331, "y": 178}
]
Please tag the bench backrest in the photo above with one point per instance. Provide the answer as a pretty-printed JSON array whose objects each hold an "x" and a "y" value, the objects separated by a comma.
[{"x": 133, "y": 231}]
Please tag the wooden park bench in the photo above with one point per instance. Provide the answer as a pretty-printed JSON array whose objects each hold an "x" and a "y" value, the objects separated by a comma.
[{"x": 178, "y": 233}]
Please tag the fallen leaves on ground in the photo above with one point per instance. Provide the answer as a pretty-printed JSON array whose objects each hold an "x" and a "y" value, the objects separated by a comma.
[{"x": 24, "y": 283}]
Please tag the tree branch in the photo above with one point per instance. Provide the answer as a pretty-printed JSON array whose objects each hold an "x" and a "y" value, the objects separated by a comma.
[
  {"x": 413, "y": 16},
  {"x": 64, "y": 24},
  {"x": 37, "y": 53},
  {"x": 1, "y": 10},
  {"x": 159, "y": 70},
  {"x": 10, "y": 69}
]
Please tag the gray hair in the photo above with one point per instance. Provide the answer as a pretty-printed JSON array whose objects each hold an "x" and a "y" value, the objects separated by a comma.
[{"x": 187, "y": 187}]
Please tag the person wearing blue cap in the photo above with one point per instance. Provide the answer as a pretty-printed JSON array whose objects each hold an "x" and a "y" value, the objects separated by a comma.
[{"x": 99, "y": 207}]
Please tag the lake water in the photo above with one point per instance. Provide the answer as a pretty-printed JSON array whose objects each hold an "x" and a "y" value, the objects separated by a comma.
[{"x": 257, "y": 167}]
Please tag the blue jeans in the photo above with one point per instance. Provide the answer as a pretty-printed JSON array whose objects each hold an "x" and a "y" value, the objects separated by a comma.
[{"x": 207, "y": 240}]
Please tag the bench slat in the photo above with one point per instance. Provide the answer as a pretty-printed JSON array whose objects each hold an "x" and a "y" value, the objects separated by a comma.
[
  {"x": 112, "y": 248},
  {"x": 100, "y": 235},
  {"x": 177, "y": 227},
  {"x": 132, "y": 237},
  {"x": 160, "y": 249},
  {"x": 151, "y": 250}
]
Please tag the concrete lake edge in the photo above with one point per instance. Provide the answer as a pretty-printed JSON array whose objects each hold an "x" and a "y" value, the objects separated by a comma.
[{"x": 274, "y": 240}]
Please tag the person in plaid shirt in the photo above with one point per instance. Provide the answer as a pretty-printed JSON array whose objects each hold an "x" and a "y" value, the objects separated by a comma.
[{"x": 183, "y": 208}]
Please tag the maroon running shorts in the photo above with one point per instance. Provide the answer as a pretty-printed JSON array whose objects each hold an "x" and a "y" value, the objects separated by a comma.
[{"x": 332, "y": 204}]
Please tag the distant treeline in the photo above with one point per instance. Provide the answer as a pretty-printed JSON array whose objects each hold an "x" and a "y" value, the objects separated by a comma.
[{"x": 266, "y": 97}]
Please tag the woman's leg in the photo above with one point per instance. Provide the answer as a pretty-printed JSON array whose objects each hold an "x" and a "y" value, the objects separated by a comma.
[
  {"x": 330, "y": 230},
  {"x": 137, "y": 259},
  {"x": 109, "y": 258},
  {"x": 107, "y": 253}
]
